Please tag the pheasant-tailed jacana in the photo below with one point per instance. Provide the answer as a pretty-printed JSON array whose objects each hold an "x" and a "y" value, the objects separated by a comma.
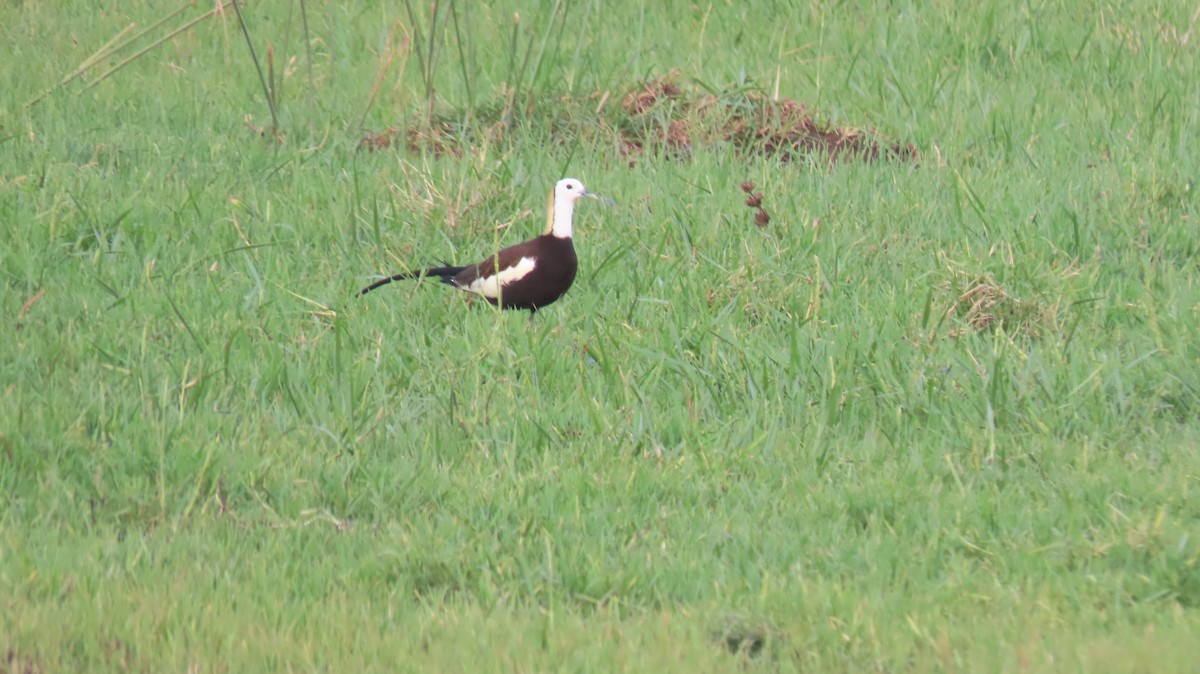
[{"x": 529, "y": 275}]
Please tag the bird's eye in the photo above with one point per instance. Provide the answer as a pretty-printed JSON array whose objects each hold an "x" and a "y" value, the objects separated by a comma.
[{"x": 570, "y": 186}]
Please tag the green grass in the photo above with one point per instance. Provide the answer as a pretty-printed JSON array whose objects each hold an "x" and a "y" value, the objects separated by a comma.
[{"x": 802, "y": 447}]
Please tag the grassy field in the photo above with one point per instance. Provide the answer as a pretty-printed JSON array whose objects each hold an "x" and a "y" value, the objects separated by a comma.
[{"x": 940, "y": 414}]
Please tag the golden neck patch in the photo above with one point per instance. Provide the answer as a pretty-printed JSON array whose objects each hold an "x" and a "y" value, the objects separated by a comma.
[{"x": 549, "y": 213}]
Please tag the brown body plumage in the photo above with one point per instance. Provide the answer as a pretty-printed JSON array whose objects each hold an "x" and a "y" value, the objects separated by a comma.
[{"x": 528, "y": 275}]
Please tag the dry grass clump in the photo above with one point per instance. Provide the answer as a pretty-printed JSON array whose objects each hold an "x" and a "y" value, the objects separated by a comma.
[{"x": 983, "y": 305}]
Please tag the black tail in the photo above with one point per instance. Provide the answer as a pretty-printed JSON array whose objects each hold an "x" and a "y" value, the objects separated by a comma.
[{"x": 444, "y": 273}]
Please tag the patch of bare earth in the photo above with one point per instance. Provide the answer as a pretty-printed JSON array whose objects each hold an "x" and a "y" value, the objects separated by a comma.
[
  {"x": 666, "y": 118},
  {"x": 788, "y": 130},
  {"x": 14, "y": 662}
]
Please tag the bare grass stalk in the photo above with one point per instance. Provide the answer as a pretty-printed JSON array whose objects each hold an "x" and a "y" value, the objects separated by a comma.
[
  {"x": 268, "y": 91},
  {"x": 116, "y": 44}
]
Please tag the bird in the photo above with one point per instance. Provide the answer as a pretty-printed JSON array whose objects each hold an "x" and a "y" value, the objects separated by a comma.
[{"x": 529, "y": 275}]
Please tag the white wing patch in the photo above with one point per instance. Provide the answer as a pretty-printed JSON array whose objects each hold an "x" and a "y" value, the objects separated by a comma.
[{"x": 490, "y": 286}]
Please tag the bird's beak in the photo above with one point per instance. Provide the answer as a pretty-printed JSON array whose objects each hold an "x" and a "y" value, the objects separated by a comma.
[{"x": 608, "y": 201}]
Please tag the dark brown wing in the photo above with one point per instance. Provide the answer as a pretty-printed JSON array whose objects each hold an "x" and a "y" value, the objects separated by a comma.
[{"x": 505, "y": 259}]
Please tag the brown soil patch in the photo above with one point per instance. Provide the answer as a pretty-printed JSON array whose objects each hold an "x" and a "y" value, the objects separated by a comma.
[
  {"x": 379, "y": 141},
  {"x": 661, "y": 117},
  {"x": 787, "y": 129},
  {"x": 14, "y": 662},
  {"x": 438, "y": 138},
  {"x": 640, "y": 100}
]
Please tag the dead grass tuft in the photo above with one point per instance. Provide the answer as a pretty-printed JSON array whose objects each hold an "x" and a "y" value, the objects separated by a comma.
[
  {"x": 439, "y": 138},
  {"x": 983, "y": 305},
  {"x": 747, "y": 638}
]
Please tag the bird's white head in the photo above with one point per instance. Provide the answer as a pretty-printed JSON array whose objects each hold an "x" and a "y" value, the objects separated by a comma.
[{"x": 561, "y": 208}]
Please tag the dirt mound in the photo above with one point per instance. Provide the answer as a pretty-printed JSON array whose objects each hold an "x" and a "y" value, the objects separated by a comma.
[
  {"x": 750, "y": 122},
  {"x": 662, "y": 117},
  {"x": 640, "y": 100}
]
